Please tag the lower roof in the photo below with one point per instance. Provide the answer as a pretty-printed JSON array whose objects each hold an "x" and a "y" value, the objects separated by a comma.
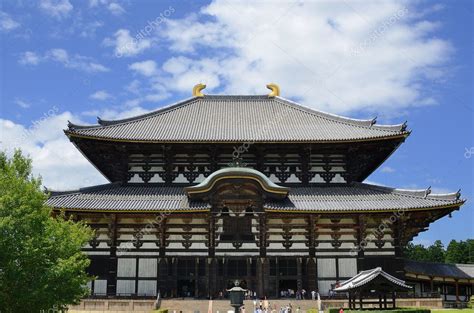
[
  {"x": 353, "y": 197},
  {"x": 458, "y": 271}
]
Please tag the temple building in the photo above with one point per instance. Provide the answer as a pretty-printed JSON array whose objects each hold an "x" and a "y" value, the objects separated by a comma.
[{"x": 252, "y": 187}]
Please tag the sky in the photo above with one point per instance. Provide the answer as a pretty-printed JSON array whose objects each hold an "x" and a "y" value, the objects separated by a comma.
[{"x": 395, "y": 60}]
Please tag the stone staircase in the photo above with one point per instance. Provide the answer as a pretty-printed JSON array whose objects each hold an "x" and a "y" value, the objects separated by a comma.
[{"x": 223, "y": 306}]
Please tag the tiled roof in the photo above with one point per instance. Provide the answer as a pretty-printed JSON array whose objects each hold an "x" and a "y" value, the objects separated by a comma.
[
  {"x": 343, "y": 198},
  {"x": 365, "y": 277},
  {"x": 215, "y": 118},
  {"x": 465, "y": 271}
]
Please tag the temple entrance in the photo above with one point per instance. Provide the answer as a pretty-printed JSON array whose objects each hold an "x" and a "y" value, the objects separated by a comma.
[
  {"x": 287, "y": 288},
  {"x": 186, "y": 288}
]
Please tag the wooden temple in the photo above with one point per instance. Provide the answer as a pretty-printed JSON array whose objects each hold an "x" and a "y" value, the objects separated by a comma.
[{"x": 257, "y": 188}]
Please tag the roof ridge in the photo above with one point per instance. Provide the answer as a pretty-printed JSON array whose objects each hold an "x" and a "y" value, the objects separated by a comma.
[
  {"x": 59, "y": 193},
  {"x": 370, "y": 123},
  {"x": 107, "y": 123},
  {"x": 416, "y": 193}
]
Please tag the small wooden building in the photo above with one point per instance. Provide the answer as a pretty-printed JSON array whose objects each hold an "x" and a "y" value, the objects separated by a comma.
[
  {"x": 219, "y": 187},
  {"x": 370, "y": 284}
]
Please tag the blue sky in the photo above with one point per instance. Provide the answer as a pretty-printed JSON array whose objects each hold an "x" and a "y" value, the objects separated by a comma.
[{"x": 75, "y": 60}]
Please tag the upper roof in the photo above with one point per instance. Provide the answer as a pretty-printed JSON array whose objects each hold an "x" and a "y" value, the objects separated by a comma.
[
  {"x": 227, "y": 118},
  {"x": 365, "y": 277},
  {"x": 463, "y": 271},
  {"x": 353, "y": 197}
]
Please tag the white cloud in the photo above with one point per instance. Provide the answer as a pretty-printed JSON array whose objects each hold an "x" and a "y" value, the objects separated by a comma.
[
  {"x": 54, "y": 157},
  {"x": 126, "y": 45},
  {"x": 387, "y": 169},
  {"x": 115, "y": 8},
  {"x": 101, "y": 95},
  {"x": 22, "y": 103},
  {"x": 112, "y": 6},
  {"x": 146, "y": 68},
  {"x": 112, "y": 114},
  {"x": 56, "y": 8},
  {"x": 7, "y": 23},
  {"x": 76, "y": 61},
  {"x": 29, "y": 57},
  {"x": 338, "y": 58}
]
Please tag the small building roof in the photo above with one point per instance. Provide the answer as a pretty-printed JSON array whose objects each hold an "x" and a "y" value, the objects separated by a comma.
[
  {"x": 353, "y": 197},
  {"x": 271, "y": 189},
  {"x": 226, "y": 118},
  {"x": 367, "y": 278},
  {"x": 458, "y": 271}
]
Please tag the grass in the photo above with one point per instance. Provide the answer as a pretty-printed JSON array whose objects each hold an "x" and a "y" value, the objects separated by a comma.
[{"x": 453, "y": 311}]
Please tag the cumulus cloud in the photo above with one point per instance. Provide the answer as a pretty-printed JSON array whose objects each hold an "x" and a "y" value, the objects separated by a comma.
[
  {"x": 115, "y": 8},
  {"x": 7, "y": 23},
  {"x": 56, "y": 8},
  {"x": 338, "y": 57},
  {"x": 112, "y": 6},
  {"x": 101, "y": 95},
  {"x": 29, "y": 57},
  {"x": 54, "y": 157},
  {"x": 146, "y": 68},
  {"x": 126, "y": 45},
  {"x": 76, "y": 61}
]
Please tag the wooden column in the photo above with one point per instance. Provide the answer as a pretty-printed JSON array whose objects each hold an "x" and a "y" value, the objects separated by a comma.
[
  {"x": 162, "y": 230},
  {"x": 299, "y": 281},
  {"x": 112, "y": 274},
  {"x": 361, "y": 235},
  {"x": 262, "y": 263},
  {"x": 211, "y": 240},
  {"x": 196, "y": 277},
  {"x": 457, "y": 290}
]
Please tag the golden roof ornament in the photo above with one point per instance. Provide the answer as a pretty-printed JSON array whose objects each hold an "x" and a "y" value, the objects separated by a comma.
[
  {"x": 197, "y": 90},
  {"x": 275, "y": 90}
]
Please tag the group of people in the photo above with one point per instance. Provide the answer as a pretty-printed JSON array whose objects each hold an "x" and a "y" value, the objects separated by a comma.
[{"x": 265, "y": 307}]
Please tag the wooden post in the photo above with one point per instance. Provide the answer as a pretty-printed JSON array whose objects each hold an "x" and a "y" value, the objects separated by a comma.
[
  {"x": 360, "y": 300},
  {"x": 457, "y": 291},
  {"x": 393, "y": 299},
  {"x": 112, "y": 274},
  {"x": 385, "y": 300},
  {"x": 380, "y": 300}
]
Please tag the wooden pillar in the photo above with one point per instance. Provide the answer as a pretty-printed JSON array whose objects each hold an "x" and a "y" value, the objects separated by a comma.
[
  {"x": 457, "y": 290},
  {"x": 299, "y": 281},
  {"x": 262, "y": 263},
  {"x": 162, "y": 230},
  {"x": 312, "y": 274},
  {"x": 384, "y": 300},
  {"x": 393, "y": 299},
  {"x": 112, "y": 274},
  {"x": 361, "y": 302},
  {"x": 431, "y": 284},
  {"x": 361, "y": 243},
  {"x": 211, "y": 240},
  {"x": 380, "y": 300},
  {"x": 196, "y": 277}
]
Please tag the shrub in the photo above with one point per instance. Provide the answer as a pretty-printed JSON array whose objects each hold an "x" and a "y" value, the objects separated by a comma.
[{"x": 400, "y": 310}]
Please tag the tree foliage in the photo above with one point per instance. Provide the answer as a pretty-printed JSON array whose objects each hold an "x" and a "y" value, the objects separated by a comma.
[
  {"x": 456, "y": 252},
  {"x": 41, "y": 263}
]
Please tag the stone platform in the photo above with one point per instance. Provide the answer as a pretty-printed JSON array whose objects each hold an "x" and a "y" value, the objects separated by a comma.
[{"x": 190, "y": 306}]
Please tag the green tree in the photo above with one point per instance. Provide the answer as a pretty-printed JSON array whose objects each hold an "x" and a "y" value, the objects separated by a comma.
[
  {"x": 416, "y": 252},
  {"x": 41, "y": 263},
  {"x": 457, "y": 252},
  {"x": 436, "y": 252}
]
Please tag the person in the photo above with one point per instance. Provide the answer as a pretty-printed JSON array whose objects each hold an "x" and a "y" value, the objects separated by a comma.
[
  {"x": 303, "y": 293},
  {"x": 313, "y": 295},
  {"x": 265, "y": 303},
  {"x": 242, "y": 309},
  {"x": 341, "y": 310}
]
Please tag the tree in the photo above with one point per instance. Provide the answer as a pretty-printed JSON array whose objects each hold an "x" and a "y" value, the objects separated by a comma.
[
  {"x": 41, "y": 263},
  {"x": 436, "y": 252}
]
